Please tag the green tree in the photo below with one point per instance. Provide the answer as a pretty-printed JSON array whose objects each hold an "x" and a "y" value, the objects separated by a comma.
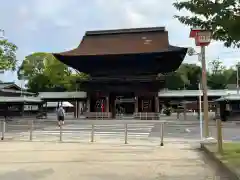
[
  {"x": 217, "y": 78},
  {"x": 186, "y": 77},
  {"x": 231, "y": 75},
  {"x": 39, "y": 83},
  {"x": 192, "y": 75},
  {"x": 44, "y": 72},
  {"x": 32, "y": 66},
  {"x": 174, "y": 81},
  {"x": 58, "y": 73},
  {"x": 8, "y": 60},
  {"x": 221, "y": 16},
  {"x": 74, "y": 81}
]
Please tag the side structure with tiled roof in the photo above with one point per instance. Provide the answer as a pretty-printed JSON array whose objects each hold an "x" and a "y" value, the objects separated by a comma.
[{"x": 12, "y": 89}]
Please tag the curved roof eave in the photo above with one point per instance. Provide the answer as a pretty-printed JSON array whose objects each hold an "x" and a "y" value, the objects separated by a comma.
[
  {"x": 75, "y": 52},
  {"x": 85, "y": 62}
]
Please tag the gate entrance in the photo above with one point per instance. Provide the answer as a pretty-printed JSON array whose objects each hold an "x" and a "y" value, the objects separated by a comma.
[{"x": 124, "y": 105}]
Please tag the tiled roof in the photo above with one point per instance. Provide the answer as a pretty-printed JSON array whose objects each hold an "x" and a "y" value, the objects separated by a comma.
[
  {"x": 21, "y": 99},
  {"x": 55, "y": 104},
  {"x": 62, "y": 95},
  {"x": 17, "y": 92},
  {"x": 121, "y": 41},
  {"x": 124, "y": 31},
  {"x": 163, "y": 93},
  {"x": 230, "y": 97},
  {"x": 194, "y": 93},
  {"x": 6, "y": 84}
]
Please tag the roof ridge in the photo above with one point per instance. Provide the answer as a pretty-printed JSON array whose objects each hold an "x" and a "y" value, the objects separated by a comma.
[
  {"x": 7, "y": 82},
  {"x": 126, "y": 30}
]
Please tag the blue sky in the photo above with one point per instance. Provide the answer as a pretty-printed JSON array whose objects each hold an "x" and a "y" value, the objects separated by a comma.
[{"x": 58, "y": 25}]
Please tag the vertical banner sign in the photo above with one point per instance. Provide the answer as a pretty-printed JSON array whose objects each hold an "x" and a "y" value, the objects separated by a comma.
[
  {"x": 98, "y": 105},
  {"x": 145, "y": 105}
]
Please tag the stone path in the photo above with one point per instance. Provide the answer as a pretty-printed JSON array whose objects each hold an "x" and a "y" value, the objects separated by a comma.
[{"x": 102, "y": 161}]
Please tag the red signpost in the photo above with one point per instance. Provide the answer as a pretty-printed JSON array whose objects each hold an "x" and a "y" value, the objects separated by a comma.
[{"x": 203, "y": 38}]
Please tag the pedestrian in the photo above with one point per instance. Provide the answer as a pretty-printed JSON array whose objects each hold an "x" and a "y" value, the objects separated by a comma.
[{"x": 60, "y": 115}]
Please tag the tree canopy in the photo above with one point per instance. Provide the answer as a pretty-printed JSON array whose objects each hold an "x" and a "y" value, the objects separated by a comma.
[
  {"x": 44, "y": 73},
  {"x": 220, "y": 16},
  {"x": 188, "y": 76},
  {"x": 217, "y": 78},
  {"x": 8, "y": 60}
]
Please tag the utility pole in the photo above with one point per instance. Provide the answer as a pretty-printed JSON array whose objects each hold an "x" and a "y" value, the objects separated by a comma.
[
  {"x": 200, "y": 110},
  {"x": 205, "y": 95}
]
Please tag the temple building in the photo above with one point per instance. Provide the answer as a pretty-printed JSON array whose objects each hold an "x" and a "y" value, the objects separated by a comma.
[
  {"x": 9, "y": 94},
  {"x": 126, "y": 69}
]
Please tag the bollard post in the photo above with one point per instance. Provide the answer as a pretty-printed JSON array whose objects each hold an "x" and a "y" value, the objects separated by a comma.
[
  {"x": 3, "y": 129},
  {"x": 60, "y": 138},
  {"x": 185, "y": 112},
  {"x": 92, "y": 133},
  {"x": 162, "y": 133},
  {"x": 219, "y": 135},
  {"x": 31, "y": 130},
  {"x": 126, "y": 134}
]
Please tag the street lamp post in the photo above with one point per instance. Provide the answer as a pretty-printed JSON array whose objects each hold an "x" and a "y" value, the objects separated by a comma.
[
  {"x": 203, "y": 39},
  {"x": 192, "y": 52}
]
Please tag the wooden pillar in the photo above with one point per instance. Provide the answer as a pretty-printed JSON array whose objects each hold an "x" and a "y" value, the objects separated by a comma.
[
  {"x": 185, "y": 111},
  {"x": 80, "y": 108},
  {"x": 75, "y": 110},
  {"x": 156, "y": 104},
  {"x": 107, "y": 106},
  {"x": 88, "y": 104},
  {"x": 136, "y": 104},
  {"x": 156, "y": 107}
]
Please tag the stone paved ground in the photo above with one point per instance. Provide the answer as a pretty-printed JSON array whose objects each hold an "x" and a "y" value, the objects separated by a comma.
[{"x": 102, "y": 161}]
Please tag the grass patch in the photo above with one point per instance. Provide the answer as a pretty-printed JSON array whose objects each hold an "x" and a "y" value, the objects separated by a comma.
[{"x": 230, "y": 156}]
